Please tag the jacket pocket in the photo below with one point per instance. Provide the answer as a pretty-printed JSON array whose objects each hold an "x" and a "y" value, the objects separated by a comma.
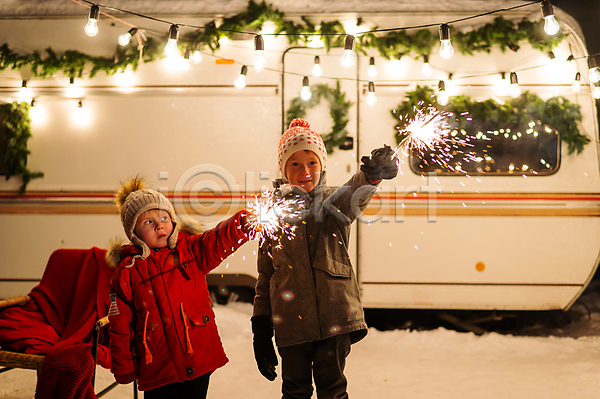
[
  {"x": 333, "y": 267},
  {"x": 204, "y": 341}
]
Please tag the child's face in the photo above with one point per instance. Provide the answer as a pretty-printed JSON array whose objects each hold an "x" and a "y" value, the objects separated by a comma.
[
  {"x": 303, "y": 169},
  {"x": 154, "y": 227}
]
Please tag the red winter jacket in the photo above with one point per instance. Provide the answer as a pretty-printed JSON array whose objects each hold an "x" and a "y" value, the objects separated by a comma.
[{"x": 162, "y": 326}]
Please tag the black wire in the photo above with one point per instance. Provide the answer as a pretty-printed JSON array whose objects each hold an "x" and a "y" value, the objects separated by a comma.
[{"x": 321, "y": 34}]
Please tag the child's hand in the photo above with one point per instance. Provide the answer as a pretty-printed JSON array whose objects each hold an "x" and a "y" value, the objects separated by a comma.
[{"x": 381, "y": 164}]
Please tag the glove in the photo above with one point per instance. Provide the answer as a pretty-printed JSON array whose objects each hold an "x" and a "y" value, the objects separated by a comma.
[
  {"x": 125, "y": 378},
  {"x": 264, "y": 351},
  {"x": 381, "y": 164}
]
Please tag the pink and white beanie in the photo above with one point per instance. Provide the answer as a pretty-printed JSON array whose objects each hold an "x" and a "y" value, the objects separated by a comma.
[{"x": 300, "y": 137}]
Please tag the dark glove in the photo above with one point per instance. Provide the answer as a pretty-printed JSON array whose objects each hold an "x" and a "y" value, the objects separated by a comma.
[
  {"x": 125, "y": 378},
  {"x": 264, "y": 351},
  {"x": 380, "y": 164}
]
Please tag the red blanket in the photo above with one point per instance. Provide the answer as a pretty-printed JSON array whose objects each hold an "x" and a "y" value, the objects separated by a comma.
[{"x": 71, "y": 296}]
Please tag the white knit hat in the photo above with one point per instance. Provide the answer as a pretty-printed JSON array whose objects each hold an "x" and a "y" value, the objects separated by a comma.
[
  {"x": 133, "y": 200},
  {"x": 297, "y": 138}
]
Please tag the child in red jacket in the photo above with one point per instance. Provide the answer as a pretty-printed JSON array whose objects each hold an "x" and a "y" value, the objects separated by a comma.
[{"x": 162, "y": 326}]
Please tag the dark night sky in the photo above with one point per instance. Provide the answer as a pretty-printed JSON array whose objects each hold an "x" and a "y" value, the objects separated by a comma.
[{"x": 587, "y": 13}]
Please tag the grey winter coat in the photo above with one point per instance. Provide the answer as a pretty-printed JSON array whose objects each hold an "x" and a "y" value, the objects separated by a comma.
[{"x": 306, "y": 282}]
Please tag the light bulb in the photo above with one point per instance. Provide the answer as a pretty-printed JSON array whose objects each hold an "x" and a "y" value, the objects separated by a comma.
[
  {"x": 371, "y": 97},
  {"x": 171, "y": 49},
  {"x": 196, "y": 56},
  {"x": 126, "y": 37},
  {"x": 446, "y": 49},
  {"x": 594, "y": 74},
  {"x": 372, "y": 71},
  {"x": 259, "y": 60},
  {"x": 442, "y": 96},
  {"x": 551, "y": 26},
  {"x": 91, "y": 28},
  {"x": 240, "y": 82},
  {"x": 37, "y": 114},
  {"x": 426, "y": 69},
  {"x": 596, "y": 92},
  {"x": 514, "y": 90},
  {"x": 24, "y": 92},
  {"x": 81, "y": 115},
  {"x": 317, "y": 71},
  {"x": 305, "y": 93},
  {"x": 577, "y": 83},
  {"x": 503, "y": 85},
  {"x": 347, "y": 59}
]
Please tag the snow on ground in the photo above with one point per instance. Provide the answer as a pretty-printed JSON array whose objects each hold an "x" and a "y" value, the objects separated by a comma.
[{"x": 436, "y": 363}]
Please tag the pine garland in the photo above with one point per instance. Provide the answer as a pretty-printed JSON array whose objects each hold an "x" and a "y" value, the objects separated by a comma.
[
  {"x": 557, "y": 113},
  {"x": 15, "y": 121},
  {"x": 503, "y": 33},
  {"x": 338, "y": 109}
]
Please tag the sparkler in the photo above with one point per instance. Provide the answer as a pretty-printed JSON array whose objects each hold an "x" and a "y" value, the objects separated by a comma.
[
  {"x": 429, "y": 132},
  {"x": 269, "y": 216}
]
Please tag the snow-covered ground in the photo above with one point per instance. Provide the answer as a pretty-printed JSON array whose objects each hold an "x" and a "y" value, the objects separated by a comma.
[{"x": 436, "y": 363}]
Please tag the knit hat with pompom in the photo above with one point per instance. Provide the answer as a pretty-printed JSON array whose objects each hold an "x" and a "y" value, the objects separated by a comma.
[
  {"x": 133, "y": 199},
  {"x": 300, "y": 137}
]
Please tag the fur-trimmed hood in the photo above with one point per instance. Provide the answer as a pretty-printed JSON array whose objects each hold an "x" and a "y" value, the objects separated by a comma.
[{"x": 118, "y": 248}]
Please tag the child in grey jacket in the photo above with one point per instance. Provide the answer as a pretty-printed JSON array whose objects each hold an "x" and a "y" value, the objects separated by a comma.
[{"x": 307, "y": 290}]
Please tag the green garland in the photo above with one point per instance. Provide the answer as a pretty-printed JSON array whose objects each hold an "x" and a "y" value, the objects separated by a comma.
[
  {"x": 503, "y": 33},
  {"x": 557, "y": 113},
  {"x": 338, "y": 109},
  {"x": 15, "y": 122}
]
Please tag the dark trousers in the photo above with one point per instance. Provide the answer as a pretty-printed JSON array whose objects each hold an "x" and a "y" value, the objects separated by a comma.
[
  {"x": 196, "y": 388},
  {"x": 325, "y": 360}
]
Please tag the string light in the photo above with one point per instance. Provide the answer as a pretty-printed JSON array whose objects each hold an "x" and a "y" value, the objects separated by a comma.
[
  {"x": 371, "y": 97},
  {"x": 446, "y": 49},
  {"x": 396, "y": 66},
  {"x": 347, "y": 59},
  {"x": 593, "y": 71},
  {"x": 37, "y": 114},
  {"x": 197, "y": 55},
  {"x": 171, "y": 49},
  {"x": 596, "y": 91},
  {"x": 240, "y": 82},
  {"x": 24, "y": 92},
  {"x": 81, "y": 115},
  {"x": 426, "y": 69},
  {"x": 185, "y": 63},
  {"x": 504, "y": 84},
  {"x": 442, "y": 96},
  {"x": 514, "y": 89},
  {"x": 305, "y": 93},
  {"x": 577, "y": 82},
  {"x": 126, "y": 37},
  {"x": 72, "y": 90},
  {"x": 317, "y": 71},
  {"x": 91, "y": 28},
  {"x": 259, "y": 60},
  {"x": 372, "y": 71},
  {"x": 551, "y": 26}
]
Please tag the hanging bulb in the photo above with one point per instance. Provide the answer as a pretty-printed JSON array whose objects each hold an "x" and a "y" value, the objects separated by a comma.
[
  {"x": 446, "y": 49},
  {"x": 514, "y": 89},
  {"x": 240, "y": 82},
  {"x": 550, "y": 24},
  {"x": 259, "y": 60},
  {"x": 577, "y": 82},
  {"x": 396, "y": 66},
  {"x": 596, "y": 92},
  {"x": 317, "y": 71},
  {"x": 426, "y": 69},
  {"x": 305, "y": 93},
  {"x": 91, "y": 28},
  {"x": 347, "y": 59},
  {"x": 371, "y": 97},
  {"x": 24, "y": 92},
  {"x": 126, "y": 37},
  {"x": 551, "y": 56},
  {"x": 171, "y": 49},
  {"x": 372, "y": 71},
  {"x": 197, "y": 54},
  {"x": 504, "y": 84},
  {"x": 442, "y": 96},
  {"x": 81, "y": 115},
  {"x": 593, "y": 71},
  {"x": 185, "y": 63},
  {"x": 37, "y": 114},
  {"x": 72, "y": 90}
]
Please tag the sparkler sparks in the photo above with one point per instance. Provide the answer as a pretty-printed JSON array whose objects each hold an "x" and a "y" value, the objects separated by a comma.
[
  {"x": 430, "y": 137},
  {"x": 270, "y": 215}
]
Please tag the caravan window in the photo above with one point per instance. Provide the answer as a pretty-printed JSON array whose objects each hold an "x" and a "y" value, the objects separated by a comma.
[{"x": 505, "y": 152}]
